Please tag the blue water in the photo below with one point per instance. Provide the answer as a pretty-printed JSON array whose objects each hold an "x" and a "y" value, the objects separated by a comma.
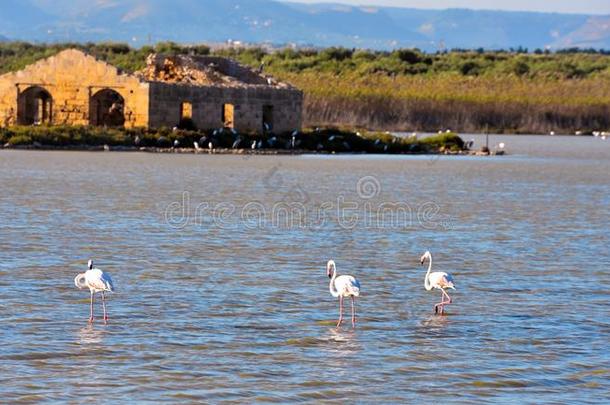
[{"x": 228, "y": 301}]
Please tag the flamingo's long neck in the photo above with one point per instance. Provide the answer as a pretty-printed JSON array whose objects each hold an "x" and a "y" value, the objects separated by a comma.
[
  {"x": 332, "y": 288},
  {"x": 427, "y": 280}
]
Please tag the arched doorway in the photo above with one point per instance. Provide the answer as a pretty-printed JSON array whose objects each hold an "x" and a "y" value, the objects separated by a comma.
[
  {"x": 107, "y": 108},
  {"x": 34, "y": 106}
]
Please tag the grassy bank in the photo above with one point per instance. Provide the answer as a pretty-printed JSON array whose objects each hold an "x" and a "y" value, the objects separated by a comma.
[
  {"x": 466, "y": 90},
  {"x": 406, "y": 90},
  {"x": 318, "y": 140},
  {"x": 429, "y": 103}
]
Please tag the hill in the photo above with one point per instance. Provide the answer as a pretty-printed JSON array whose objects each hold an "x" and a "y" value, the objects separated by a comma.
[{"x": 140, "y": 22}]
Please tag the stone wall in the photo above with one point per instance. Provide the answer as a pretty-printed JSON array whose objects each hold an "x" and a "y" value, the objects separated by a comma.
[
  {"x": 71, "y": 88},
  {"x": 208, "y": 101},
  {"x": 71, "y": 78}
]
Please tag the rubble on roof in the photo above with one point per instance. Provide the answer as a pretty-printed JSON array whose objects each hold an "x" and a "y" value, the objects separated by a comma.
[{"x": 203, "y": 71}]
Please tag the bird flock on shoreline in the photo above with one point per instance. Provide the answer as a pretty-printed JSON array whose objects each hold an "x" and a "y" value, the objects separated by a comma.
[{"x": 340, "y": 286}]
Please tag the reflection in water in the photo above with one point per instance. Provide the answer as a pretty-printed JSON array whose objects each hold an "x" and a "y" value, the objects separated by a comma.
[
  {"x": 90, "y": 335},
  {"x": 435, "y": 322},
  {"x": 343, "y": 342},
  {"x": 341, "y": 351}
]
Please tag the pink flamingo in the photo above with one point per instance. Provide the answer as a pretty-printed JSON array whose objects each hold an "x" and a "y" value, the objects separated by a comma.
[
  {"x": 438, "y": 280},
  {"x": 97, "y": 281},
  {"x": 342, "y": 286}
]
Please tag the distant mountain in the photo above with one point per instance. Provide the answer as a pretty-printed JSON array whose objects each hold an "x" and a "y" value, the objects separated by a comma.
[
  {"x": 20, "y": 16},
  {"x": 594, "y": 33},
  {"x": 140, "y": 22}
]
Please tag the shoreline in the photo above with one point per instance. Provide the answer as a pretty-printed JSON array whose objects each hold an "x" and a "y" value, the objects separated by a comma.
[
  {"x": 229, "y": 151},
  {"x": 225, "y": 140}
]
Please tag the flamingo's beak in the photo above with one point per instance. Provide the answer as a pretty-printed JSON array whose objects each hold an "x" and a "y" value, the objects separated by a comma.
[{"x": 421, "y": 262}]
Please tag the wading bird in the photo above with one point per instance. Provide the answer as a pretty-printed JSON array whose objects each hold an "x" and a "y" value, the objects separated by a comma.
[
  {"x": 96, "y": 281},
  {"x": 438, "y": 280},
  {"x": 342, "y": 286}
]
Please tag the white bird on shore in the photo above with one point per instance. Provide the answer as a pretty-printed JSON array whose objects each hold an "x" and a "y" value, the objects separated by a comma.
[
  {"x": 438, "y": 280},
  {"x": 97, "y": 281},
  {"x": 342, "y": 286}
]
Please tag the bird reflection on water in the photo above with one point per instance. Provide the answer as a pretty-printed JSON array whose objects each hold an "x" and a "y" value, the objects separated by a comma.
[{"x": 91, "y": 335}]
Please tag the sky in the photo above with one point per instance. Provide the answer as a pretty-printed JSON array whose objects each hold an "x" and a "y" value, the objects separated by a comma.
[{"x": 557, "y": 6}]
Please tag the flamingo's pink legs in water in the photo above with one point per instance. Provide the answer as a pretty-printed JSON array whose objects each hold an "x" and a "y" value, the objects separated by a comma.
[
  {"x": 104, "y": 306},
  {"x": 340, "y": 311},
  {"x": 91, "y": 309},
  {"x": 442, "y": 304}
]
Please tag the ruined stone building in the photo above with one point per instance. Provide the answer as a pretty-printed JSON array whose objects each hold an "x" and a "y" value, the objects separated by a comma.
[{"x": 73, "y": 88}]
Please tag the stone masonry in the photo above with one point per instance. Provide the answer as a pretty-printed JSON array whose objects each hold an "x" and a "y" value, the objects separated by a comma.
[{"x": 73, "y": 88}]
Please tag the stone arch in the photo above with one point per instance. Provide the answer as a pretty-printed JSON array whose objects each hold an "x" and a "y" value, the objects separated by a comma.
[
  {"x": 34, "y": 106},
  {"x": 107, "y": 108}
]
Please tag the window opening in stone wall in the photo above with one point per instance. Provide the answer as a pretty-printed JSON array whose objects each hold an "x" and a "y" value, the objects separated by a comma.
[
  {"x": 267, "y": 118},
  {"x": 228, "y": 115}
]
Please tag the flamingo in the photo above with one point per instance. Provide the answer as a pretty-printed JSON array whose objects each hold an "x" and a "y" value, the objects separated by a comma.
[
  {"x": 438, "y": 280},
  {"x": 97, "y": 281},
  {"x": 342, "y": 286}
]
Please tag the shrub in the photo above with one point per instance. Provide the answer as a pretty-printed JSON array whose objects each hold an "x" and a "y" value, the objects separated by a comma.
[
  {"x": 338, "y": 54},
  {"x": 408, "y": 56},
  {"x": 447, "y": 140},
  {"x": 16, "y": 140},
  {"x": 470, "y": 68},
  {"x": 187, "y": 124},
  {"x": 168, "y": 47},
  {"x": 521, "y": 68}
]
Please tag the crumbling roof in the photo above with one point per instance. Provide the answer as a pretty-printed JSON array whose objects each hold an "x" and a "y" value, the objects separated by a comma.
[{"x": 203, "y": 71}]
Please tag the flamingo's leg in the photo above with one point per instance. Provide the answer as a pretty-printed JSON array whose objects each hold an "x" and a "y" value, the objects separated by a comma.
[
  {"x": 448, "y": 297},
  {"x": 353, "y": 313},
  {"x": 449, "y": 301},
  {"x": 104, "y": 307},
  {"x": 443, "y": 302},
  {"x": 91, "y": 309},
  {"x": 440, "y": 308},
  {"x": 340, "y": 311}
]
